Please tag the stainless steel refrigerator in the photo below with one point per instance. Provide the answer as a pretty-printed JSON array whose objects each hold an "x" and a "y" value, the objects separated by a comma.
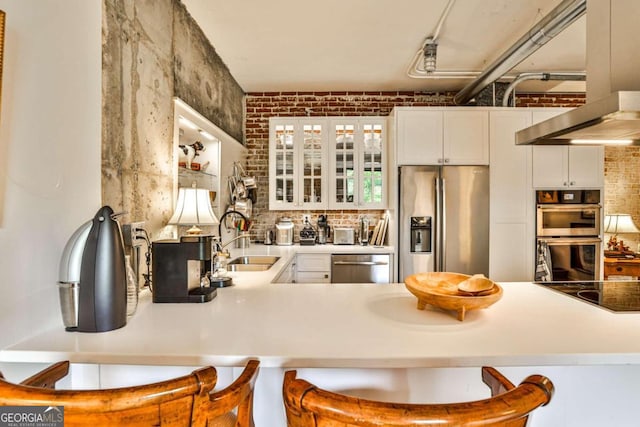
[{"x": 443, "y": 219}]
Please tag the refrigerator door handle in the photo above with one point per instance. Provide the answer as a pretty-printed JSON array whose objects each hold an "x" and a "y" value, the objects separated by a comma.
[
  {"x": 443, "y": 226},
  {"x": 438, "y": 226}
]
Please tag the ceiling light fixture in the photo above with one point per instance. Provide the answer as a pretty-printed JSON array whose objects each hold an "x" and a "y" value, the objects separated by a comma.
[
  {"x": 424, "y": 61},
  {"x": 429, "y": 53}
]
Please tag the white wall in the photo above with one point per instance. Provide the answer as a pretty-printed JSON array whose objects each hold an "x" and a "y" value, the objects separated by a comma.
[{"x": 49, "y": 151}]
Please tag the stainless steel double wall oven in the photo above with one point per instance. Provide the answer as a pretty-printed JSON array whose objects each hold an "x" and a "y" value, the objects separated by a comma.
[{"x": 568, "y": 241}]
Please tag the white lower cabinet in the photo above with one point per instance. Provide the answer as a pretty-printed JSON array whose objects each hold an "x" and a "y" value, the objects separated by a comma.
[
  {"x": 313, "y": 268},
  {"x": 288, "y": 273}
]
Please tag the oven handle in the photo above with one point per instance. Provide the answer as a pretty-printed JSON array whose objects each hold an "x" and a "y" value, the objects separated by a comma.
[
  {"x": 565, "y": 240},
  {"x": 568, "y": 206}
]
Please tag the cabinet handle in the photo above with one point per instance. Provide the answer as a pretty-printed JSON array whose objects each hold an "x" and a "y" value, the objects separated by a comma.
[
  {"x": 446, "y": 160},
  {"x": 326, "y": 276},
  {"x": 439, "y": 160},
  {"x": 564, "y": 184},
  {"x": 572, "y": 183},
  {"x": 618, "y": 268}
]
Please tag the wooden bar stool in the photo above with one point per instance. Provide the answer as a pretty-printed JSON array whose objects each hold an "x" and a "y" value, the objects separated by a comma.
[
  {"x": 182, "y": 401},
  {"x": 309, "y": 406}
]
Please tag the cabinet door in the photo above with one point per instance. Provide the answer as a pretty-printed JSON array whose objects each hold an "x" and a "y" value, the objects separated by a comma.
[
  {"x": 313, "y": 160},
  {"x": 466, "y": 137},
  {"x": 419, "y": 138},
  {"x": 282, "y": 165},
  {"x": 373, "y": 169},
  {"x": 586, "y": 167},
  {"x": 511, "y": 199},
  {"x": 344, "y": 164},
  {"x": 550, "y": 166}
]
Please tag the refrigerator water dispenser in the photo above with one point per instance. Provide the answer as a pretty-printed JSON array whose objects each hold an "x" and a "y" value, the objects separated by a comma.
[{"x": 421, "y": 234}]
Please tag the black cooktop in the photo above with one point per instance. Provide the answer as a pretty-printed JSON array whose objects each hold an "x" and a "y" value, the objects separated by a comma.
[{"x": 613, "y": 295}]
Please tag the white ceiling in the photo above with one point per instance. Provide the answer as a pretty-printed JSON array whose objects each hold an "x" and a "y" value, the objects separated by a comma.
[{"x": 367, "y": 45}]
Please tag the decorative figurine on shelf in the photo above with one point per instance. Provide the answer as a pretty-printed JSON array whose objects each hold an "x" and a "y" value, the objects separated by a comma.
[{"x": 186, "y": 153}]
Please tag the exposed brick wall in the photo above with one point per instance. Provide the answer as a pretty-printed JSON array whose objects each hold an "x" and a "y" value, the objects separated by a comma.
[
  {"x": 550, "y": 99},
  {"x": 622, "y": 184},
  {"x": 261, "y": 106},
  {"x": 619, "y": 166}
]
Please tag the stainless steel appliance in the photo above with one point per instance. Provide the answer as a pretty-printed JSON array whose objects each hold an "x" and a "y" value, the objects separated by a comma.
[
  {"x": 569, "y": 258},
  {"x": 568, "y": 213},
  {"x": 344, "y": 236},
  {"x": 307, "y": 234},
  {"x": 361, "y": 268},
  {"x": 284, "y": 232},
  {"x": 93, "y": 281},
  {"x": 443, "y": 219},
  {"x": 324, "y": 231},
  {"x": 179, "y": 267},
  {"x": 568, "y": 242}
]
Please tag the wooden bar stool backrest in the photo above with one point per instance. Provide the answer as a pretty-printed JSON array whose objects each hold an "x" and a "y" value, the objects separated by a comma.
[
  {"x": 309, "y": 406},
  {"x": 184, "y": 401}
]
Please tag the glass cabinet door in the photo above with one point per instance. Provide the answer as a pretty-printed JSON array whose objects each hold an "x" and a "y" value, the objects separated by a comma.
[
  {"x": 283, "y": 156},
  {"x": 371, "y": 171},
  {"x": 313, "y": 169},
  {"x": 344, "y": 165}
]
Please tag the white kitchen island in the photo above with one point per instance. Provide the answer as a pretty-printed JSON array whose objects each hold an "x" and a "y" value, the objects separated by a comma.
[{"x": 372, "y": 340}]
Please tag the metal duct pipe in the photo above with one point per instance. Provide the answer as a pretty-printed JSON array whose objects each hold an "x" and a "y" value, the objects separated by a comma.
[
  {"x": 550, "y": 26},
  {"x": 538, "y": 76}
]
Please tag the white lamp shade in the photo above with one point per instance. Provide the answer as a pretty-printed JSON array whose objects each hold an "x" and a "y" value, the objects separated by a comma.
[
  {"x": 619, "y": 223},
  {"x": 193, "y": 208}
]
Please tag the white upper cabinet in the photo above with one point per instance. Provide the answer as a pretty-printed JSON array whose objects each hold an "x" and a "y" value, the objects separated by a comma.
[
  {"x": 558, "y": 166},
  {"x": 566, "y": 166},
  {"x": 297, "y": 164},
  {"x": 419, "y": 137},
  {"x": 432, "y": 137},
  {"x": 357, "y": 152},
  {"x": 466, "y": 138},
  {"x": 327, "y": 163}
]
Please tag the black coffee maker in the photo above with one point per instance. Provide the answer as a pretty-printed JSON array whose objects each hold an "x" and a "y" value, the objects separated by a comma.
[
  {"x": 324, "y": 231},
  {"x": 179, "y": 267}
]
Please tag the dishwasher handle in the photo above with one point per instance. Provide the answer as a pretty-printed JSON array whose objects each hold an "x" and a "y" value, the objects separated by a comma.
[{"x": 360, "y": 263}]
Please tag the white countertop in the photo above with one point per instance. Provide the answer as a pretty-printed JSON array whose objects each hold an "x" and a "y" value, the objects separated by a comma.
[{"x": 347, "y": 325}]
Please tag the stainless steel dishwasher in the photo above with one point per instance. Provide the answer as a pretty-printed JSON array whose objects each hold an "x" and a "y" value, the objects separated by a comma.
[{"x": 360, "y": 268}]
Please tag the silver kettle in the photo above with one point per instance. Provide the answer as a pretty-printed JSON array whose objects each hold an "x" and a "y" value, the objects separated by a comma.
[{"x": 92, "y": 280}]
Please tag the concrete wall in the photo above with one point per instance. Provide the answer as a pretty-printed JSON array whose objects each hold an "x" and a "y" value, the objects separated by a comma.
[
  {"x": 49, "y": 152},
  {"x": 153, "y": 51}
]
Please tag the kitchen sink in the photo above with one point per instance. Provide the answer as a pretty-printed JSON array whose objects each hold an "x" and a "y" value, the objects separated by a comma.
[
  {"x": 255, "y": 259},
  {"x": 248, "y": 267},
  {"x": 252, "y": 263}
]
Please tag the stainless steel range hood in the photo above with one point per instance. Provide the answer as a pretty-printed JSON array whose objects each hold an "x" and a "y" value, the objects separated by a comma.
[
  {"x": 612, "y": 111},
  {"x": 613, "y": 119}
]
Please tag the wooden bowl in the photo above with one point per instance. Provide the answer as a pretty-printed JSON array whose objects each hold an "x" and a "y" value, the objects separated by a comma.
[{"x": 441, "y": 290}]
